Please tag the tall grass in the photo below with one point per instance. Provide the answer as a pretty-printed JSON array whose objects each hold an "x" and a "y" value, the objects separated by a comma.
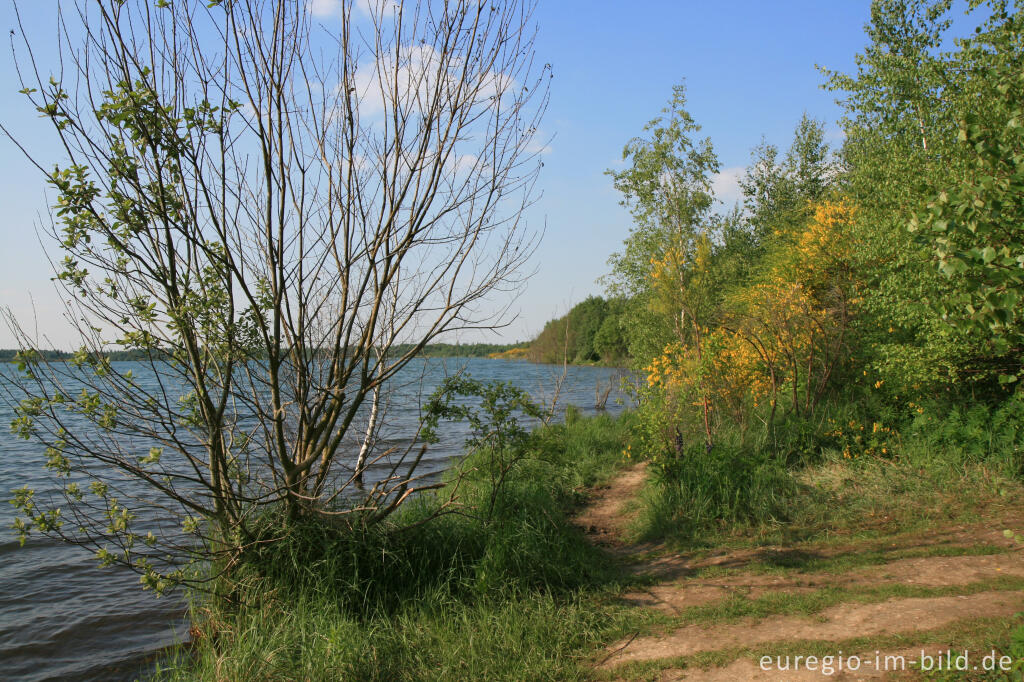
[
  {"x": 514, "y": 593},
  {"x": 689, "y": 498},
  {"x": 858, "y": 461}
]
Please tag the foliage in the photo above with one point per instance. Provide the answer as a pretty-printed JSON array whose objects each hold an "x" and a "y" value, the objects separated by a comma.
[
  {"x": 495, "y": 430},
  {"x": 913, "y": 87},
  {"x": 458, "y": 350},
  {"x": 590, "y": 332},
  {"x": 796, "y": 311},
  {"x": 667, "y": 189},
  {"x": 779, "y": 335},
  {"x": 973, "y": 227},
  {"x": 815, "y": 314},
  {"x": 778, "y": 195},
  {"x": 973, "y": 433},
  {"x": 817, "y": 292},
  {"x": 853, "y": 439},
  {"x": 494, "y": 422},
  {"x": 1016, "y": 650},
  {"x": 667, "y": 267},
  {"x": 610, "y": 339},
  {"x": 729, "y": 314}
]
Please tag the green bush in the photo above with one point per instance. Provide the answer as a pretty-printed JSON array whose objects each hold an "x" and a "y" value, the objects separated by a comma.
[
  {"x": 1017, "y": 648},
  {"x": 978, "y": 433}
]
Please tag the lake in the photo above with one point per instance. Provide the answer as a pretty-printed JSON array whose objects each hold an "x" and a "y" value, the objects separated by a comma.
[{"x": 62, "y": 617}]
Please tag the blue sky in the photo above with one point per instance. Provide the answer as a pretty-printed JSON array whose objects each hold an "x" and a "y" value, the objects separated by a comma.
[{"x": 749, "y": 69}]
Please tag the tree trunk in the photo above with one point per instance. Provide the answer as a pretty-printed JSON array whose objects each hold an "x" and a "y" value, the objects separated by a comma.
[{"x": 369, "y": 437}]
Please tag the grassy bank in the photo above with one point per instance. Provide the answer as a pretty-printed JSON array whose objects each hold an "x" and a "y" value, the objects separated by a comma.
[
  {"x": 509, "y": 588},
  {"x": 854, "y": 470},
  {"x": 506, "y": 588}
]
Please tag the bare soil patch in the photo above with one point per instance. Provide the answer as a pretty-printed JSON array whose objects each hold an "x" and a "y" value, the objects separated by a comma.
[
  {"x": 833, "y": 624},
  {"x": 667, "y": 565},
  {"x": 684, "y": 581},
  {"x": 676, "y": 596},
  {"x": 607, "y": 515}
]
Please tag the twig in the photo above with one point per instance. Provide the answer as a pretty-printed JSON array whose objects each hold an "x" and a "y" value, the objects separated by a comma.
[{"x": 612, "y": 653}]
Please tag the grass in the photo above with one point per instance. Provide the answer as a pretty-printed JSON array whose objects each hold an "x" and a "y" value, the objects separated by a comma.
[
  {"x": 739, "y": 607},
  {"x": 812, "y": 503},
  {"x": 537, "y": 636},
  {"x": 812, "y": 560},
  {"x": 690, "y": 497},
  {"x": 519, "y": 596}
]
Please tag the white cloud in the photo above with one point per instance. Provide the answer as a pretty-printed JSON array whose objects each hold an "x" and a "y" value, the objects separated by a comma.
[
  {"x": 537, "y": 147},
  {"x": 726, "y": 185},
  {"x": 330, "y": 9},
  {"x": 465, "y": 162},
  {"x": 420, "y": 72},
  {"x": 325, "y": 8}
]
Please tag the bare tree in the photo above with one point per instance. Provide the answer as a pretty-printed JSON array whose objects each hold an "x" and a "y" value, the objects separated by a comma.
[{"x": 264, "y": 208}]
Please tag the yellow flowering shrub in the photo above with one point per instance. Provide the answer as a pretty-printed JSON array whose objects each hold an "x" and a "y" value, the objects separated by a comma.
[
  {"x": 738, "y": 355},
  {"x": 854, "y": 439}
]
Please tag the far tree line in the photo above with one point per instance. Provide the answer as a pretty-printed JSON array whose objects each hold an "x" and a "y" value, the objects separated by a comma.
[
  {"x": 590, "y": 332},
  {"x": 432, "y": 350}
]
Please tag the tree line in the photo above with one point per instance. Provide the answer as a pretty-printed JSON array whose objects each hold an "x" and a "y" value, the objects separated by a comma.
[
  {"x": 431, "y": 350},
  {"x": 890, "y": 266},
  {"x": 590, "y": 332}
]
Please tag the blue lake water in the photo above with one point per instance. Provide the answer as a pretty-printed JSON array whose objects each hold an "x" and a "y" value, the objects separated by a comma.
[{"x": 64, "y": 618}]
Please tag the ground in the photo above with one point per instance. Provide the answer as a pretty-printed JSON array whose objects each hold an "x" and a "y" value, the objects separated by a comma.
[{"x": 890, "y": 604}]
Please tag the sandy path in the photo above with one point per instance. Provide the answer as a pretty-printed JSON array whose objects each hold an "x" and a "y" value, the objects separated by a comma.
[{"x": 677, "y": 588}]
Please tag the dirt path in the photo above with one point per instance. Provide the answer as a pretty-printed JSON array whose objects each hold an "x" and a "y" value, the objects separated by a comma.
[
  {"x": 606, "y": 518},
  {"x": 722, "y": 615}
]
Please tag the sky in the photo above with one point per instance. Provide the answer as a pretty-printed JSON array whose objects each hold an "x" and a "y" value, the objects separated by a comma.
[{"x": 750, "y": 72}]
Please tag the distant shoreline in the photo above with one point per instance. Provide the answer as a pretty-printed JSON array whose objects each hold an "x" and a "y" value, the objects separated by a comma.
[{"x": 434, "y": 350}]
